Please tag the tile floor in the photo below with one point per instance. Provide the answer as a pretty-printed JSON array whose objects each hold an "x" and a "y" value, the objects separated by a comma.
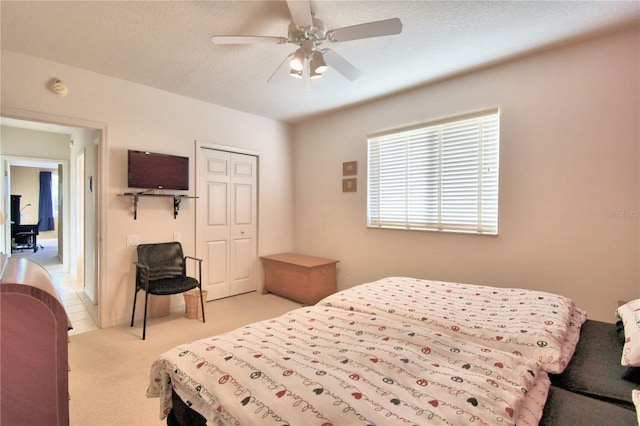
[{"x": 82, "y": 312}]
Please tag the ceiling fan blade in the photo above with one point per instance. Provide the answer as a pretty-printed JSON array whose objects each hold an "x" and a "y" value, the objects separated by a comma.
[
  {"x": 368, "y": 30},
  {"x": 300, "y": 12},
  {"x": 341, "y": 65},
  {"x": 225, "y": 39}
]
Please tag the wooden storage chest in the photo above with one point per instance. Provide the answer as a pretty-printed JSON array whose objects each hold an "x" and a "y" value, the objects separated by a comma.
[{"x": 302, "y": 278}]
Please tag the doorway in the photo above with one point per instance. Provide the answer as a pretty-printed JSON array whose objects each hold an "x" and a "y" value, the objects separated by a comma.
[
  {"x": 22, "y": 193},
  {"x": 42, "y": 243},
  {"x": 78, "y": 266}
]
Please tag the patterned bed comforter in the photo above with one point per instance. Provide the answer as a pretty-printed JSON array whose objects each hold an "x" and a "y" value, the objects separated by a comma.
[
  {"x": 541, "y": 326},
  {"x": 321, "y": 365}
]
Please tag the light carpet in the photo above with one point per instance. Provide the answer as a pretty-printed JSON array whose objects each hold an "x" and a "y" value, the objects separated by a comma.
[
  {"x": 46, "y": 256},
  {"x": 110, "y": 367}
]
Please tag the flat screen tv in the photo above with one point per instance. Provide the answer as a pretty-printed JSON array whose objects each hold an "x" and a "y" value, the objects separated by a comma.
[{"x": 150, "y": 170}]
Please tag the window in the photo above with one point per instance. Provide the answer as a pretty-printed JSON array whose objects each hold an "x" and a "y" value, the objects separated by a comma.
[{"x": 439, "y": 176}]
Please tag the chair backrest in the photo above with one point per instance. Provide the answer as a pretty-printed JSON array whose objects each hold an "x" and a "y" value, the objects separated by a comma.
[{"x": 165, "y": 260}]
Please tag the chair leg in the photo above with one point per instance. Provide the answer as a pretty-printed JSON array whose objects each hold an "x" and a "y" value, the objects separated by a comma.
[
  {"x": 144, "y": 325},
  {"x": 202, "y": 303},
  {"x": 133, "y": 314}
]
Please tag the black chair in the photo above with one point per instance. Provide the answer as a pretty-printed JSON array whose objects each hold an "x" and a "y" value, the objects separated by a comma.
[
  {"x": 161, "y": 270},
  {"x": 25, "y": 236}
]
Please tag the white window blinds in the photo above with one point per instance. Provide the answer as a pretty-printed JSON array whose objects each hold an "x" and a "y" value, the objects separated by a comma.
[{"x": 440, "y": 176}]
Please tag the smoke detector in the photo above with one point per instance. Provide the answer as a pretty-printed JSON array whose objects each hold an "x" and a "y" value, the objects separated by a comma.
[{"x": 59, "y": 88}]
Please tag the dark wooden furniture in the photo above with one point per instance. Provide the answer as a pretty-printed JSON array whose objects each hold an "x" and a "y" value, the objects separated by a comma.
[
  {"x": 24, "y": 237},
  {"x": 306, "y": 279},
  {"x": 15, "y": 209},
  {"x": 34, "y": 380}
]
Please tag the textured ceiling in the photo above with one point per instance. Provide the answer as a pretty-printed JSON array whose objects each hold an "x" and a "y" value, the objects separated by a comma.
[{"x": 167, "y": 44}]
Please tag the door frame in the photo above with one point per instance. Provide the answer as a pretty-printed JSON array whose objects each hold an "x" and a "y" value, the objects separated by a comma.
[
  {"x": 100, "y": 199},
  {"x": 199, "y": 145}
]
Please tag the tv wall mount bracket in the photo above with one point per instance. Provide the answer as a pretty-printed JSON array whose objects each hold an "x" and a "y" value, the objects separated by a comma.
[{"x": 177, "y": 198}]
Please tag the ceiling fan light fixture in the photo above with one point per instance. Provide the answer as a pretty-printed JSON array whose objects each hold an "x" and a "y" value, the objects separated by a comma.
[
  {"x": 297, "y": 62},
  {"x": 314, "y": 75},
  {"x": 317, "y": 63},
  {"x": 308, "y": 32}
]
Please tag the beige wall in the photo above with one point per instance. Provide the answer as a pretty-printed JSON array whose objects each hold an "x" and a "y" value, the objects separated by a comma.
[
  {"x": 139, "y": 117},
  {"x": 41, "y": 144},
  {"x": 569, "y": 179}
]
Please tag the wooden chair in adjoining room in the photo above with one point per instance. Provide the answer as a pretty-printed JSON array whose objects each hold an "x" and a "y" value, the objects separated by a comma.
[{"x": 161, "y": 269}]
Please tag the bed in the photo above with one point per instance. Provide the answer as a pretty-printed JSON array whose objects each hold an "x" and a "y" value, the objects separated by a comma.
[
  {"x": 537, "y": 325},
  {"x": 399, "y": 351},
  {"x": 323, "y": 365}
]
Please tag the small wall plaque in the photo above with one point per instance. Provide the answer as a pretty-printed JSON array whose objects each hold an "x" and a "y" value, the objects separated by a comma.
[
  {"x": 350, "y": 168},
  {"x": 349, "y": 185}
]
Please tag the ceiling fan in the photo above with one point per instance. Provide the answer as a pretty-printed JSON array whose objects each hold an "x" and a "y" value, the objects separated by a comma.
[{"x": 308, "y": 32}]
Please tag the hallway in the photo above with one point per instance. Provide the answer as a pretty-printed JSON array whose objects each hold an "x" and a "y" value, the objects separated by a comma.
[{"x": 81, "y": 311}]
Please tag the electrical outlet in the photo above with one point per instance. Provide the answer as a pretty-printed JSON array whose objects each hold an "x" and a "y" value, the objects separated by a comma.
[
  {"x": 176, "y": 236},
  {"x": 133, "y": 240}
]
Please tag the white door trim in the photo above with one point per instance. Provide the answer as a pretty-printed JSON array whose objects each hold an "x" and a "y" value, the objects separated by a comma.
[{"x": 233, "y": 149}]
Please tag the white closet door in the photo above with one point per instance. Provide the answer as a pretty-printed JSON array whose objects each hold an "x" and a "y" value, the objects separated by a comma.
[
  {"x": 227, "y": 222},
  {"x": 243, "y": 232}
]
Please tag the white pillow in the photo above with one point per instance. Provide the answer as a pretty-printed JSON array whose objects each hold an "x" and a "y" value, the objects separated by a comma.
[{"x": 629, "y": 313}]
